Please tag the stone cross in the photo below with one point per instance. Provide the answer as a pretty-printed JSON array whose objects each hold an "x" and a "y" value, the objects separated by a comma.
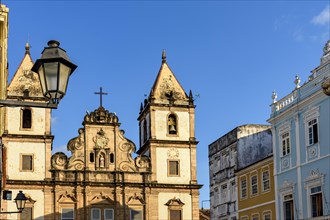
[{"x": 101, "y": 93}]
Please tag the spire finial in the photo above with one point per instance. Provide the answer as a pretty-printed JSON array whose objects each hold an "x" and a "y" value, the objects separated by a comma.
[
  {"x": 27, "y": 48},
  {"x": 164, "y": 56}
]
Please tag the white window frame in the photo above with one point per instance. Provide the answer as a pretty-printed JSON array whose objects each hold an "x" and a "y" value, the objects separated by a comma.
[
  {"x": 113, "y": 214},
  {"x": 265, "y": 180},
  {"x": 100, "y": 213},
  {"x": 265, "y": 213},
  {"x": 285, "y": 144},
  {"x": 252, "y": 185},
  {"x": 287, "y": 200},
  {"x": 284, "y": 134},
  {"x": 309, "y": 116},
  {"x": 244, "y": 178},
  {"x": 71, "y": 209}
]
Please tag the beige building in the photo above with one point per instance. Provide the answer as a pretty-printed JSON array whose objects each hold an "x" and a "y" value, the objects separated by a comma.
[{"x": 101, "y": 180}]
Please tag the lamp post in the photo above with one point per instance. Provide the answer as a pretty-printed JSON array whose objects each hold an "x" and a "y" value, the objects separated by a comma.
[
  {"x": 20, "y": 203},
  {"x": 54, "y": 69}
]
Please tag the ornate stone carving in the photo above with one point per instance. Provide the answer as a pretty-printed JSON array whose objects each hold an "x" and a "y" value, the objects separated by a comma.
[
  {"x": 168, "y": 89},
  {"x": 100, "y": 140},
  {"x": 142, "y": 161},
  {"x": 77, "y": 143},
  {"x": 174, "y": 202},
  {"x": 136, "y": 200},
  {"x": 173, "y": 153},
  {"x": 326, "y": 86},
  {"x": 101, "y": 116},
  {"x": 67, "y": 197},
  {"x": 326, "y": 53},
  {"x": 59, "y": 161}
]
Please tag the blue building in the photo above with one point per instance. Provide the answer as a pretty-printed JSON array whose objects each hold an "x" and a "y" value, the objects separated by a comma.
[{"x": 300, "y": 125}]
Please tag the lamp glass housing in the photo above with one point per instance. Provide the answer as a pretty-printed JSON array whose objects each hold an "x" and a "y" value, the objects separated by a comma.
[{"x": 20, "y": 201}]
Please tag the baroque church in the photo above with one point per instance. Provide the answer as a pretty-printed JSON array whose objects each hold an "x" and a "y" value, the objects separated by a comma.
[{"x": 101, "y": 180}]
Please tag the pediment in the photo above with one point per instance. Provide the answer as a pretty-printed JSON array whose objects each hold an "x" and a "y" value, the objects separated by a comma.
[
  {"x": 135, "y": 200},
  {"x": 25, "y": 80},
  {"x": 167, "y": 86},
  {"x": 101, "y": 199},
  {"x": 67, "y": 198}
]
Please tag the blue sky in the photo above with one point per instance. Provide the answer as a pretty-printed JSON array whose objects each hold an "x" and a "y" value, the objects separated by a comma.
[{"x": 232, "y": 54}]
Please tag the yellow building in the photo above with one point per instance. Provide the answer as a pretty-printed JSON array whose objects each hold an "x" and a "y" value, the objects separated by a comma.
[{"x": 256, "y": 197}]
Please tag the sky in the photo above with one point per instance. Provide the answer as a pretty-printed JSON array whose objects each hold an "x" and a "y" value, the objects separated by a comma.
[{"x": 231, "y": 54}]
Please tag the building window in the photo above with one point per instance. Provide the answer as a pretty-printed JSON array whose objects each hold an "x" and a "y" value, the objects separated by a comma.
[
  {"x": 316, "y": 201},
  {"x": 173, "y": 168},
  {"x": 136, "y": 214},
  {"x": 245, "y": 218},
  {"x": 145, "y": 134},
  {"x": 267, "y": 215},
  {"x": 255, "y": 217},
  {"x": 91, "y": 157},
  {"x": 265, "y": 181},
  {"x": 243, "y": 188},
  {"x": 112, "y": 158},
  {"x": 109, "y": 214},
  {"x": 312, "y": 132},
  {"x": 254, "y": 185},
  {"x": 26, "y": 162},
  {"x": 288, "y": 207},
  {"x": 172, "y": 124},
  {"x": 285, "y": 143},
  {"x": 67, "y": 214},
  {"x": 175, "y": 215},
  {"x": 224, "y": 193},
  {"x": 26, "y": 118},
  {"x": 96, "y": 214}
]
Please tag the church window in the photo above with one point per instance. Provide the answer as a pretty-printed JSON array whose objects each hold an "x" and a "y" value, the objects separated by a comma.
[
  {"x": 173, "y": 168},
  {"x": 26, "y": 162},
  {"x": 145, "y": 134},
  {"x": 96, "y": 214},
  {"x": 67, "y": 214},
  {"x": 136, "y": 214},
  {"x": 175, "y": 214},
  {"x": 112, "y": 158},
  {"x": 91, "y": 157},
  {"x": 172, "y": 124},
  {"x": 26, "y": 118},
  {"x": 109, "y": 214}
]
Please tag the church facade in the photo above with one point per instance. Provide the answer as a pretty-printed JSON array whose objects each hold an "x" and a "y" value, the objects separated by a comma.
[{"x": 101, "y": 180}]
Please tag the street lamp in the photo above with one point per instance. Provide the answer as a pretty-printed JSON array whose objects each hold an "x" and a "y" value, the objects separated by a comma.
[
  {"x": 20, "y": 201},
  {"x": 54, "y": 69}
]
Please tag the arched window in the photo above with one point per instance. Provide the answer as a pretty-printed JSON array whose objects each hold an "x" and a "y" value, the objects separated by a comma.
[
  {"x": 172, "y": 124},
  {"x": 26, "y": 118}
]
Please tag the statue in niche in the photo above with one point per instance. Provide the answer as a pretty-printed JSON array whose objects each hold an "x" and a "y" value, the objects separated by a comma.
[{"x": 101, "y": 161}]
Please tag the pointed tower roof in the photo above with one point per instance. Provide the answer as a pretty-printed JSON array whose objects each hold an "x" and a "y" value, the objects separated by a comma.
[
  {"x": 166, "y": 86},
  {"x": 25, "y": 83}
]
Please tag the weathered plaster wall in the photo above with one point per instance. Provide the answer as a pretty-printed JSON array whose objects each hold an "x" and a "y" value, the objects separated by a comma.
[
  {"x": 182, "y": 124},
  {"x": 14, "y": 121},
  {"x": 163, "y": 155},
  {"x": 163, "y": 198},
  {"x": 253, "y": 148},
  {"x": 14, "y": 160}
]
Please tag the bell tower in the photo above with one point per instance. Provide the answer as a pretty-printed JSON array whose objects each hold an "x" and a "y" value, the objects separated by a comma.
[{"x": 167, "y": 130}]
